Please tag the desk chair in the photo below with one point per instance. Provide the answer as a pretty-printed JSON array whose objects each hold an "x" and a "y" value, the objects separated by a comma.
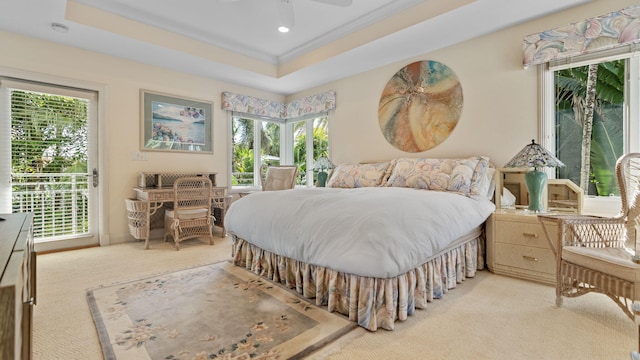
[{"x": 191, "y": 214}]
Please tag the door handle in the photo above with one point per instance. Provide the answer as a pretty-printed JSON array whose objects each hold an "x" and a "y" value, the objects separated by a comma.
[{"x": 95, "y": 177}]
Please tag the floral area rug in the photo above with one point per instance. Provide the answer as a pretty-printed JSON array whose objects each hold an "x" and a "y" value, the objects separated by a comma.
[{"x": 217, "y": 311}]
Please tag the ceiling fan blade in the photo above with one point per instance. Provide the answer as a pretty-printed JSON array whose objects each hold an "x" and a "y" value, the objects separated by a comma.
[
  {"x": 285, "y": 10},
  {"x": 343, "y": 3}
]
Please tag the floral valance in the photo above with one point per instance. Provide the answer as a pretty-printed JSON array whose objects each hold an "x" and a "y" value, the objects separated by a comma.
[
  {"x": 310, "y": 105},
  {"x": 313, "y": 104},
  {"x": 612, "y": 30},
  {"x": 251, "y": 105}
]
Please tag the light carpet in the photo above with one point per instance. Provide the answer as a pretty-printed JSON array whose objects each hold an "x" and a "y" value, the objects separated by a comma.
[
  {"x": 487, "y": 317},
  {"x": 217, "y": 311}
]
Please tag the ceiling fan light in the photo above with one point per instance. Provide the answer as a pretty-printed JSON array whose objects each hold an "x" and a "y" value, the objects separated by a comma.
[{"x": 283, "y": 29}]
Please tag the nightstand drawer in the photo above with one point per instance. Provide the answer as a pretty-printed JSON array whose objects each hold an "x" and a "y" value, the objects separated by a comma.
[
  {"x": 517, "y": 246},
  {"x": 526, "y": 258},
  {"x": 522, "y": 233}
]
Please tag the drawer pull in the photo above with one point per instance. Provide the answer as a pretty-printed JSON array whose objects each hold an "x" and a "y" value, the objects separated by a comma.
[
  {"x": 530, "y": 235},
  {"x": 530, "y": 258}
]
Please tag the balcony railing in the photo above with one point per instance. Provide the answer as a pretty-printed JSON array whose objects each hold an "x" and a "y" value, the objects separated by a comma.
[
  {"x": 60, "y": 203},
  {"x": 242, "y": 178},
  {"x": 246, "y": 179}
]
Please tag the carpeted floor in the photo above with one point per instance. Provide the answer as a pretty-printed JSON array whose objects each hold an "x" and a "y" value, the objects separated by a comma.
[{"x": 487, "y": 317}]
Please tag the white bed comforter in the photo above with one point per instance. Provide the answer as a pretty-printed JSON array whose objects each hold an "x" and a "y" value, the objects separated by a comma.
[{"x": 376, "y": 231}]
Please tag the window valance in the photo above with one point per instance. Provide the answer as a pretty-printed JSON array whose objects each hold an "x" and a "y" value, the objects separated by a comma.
[
  {"x": 314, "y": 104},
  {"x": 251, "y": 105},
  {"x": 616, "y": 29}
]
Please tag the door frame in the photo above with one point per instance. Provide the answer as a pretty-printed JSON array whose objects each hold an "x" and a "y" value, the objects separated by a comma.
[{"x": 102, "y": 220}]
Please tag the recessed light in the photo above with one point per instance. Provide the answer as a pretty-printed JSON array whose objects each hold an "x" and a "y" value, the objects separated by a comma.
[
  {"x": 283, "y": 29},
  {"x": 61, "y": 28}
]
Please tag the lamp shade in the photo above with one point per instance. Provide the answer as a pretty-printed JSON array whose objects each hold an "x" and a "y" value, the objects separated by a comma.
[
  {"x": 323, "y": 163},
  {"x": 534, "y": 155}
]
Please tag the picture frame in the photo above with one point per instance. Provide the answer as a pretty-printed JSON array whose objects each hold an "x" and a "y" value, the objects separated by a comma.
[{"x": 175, "y": 124}]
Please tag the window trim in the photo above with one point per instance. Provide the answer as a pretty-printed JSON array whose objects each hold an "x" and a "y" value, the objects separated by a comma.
[
  {"x": 286, "y": 146},
  {"x": 96, "y": 92},
  {"x": 600, "y": 205}
]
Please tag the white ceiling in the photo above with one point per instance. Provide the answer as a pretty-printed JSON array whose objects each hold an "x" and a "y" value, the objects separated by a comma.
[{"x": 236, "y": 40}]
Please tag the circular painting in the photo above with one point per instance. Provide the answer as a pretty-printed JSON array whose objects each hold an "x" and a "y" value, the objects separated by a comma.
[{"x": 420, "y": 106}]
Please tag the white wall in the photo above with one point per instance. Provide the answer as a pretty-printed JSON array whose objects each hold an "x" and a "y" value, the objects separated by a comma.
[{"x": 500, "y": 112}]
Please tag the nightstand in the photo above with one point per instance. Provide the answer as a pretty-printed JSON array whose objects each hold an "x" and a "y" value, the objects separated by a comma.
[
  {"x": 516, "y": 243},
  {"x": 517, "y": 246}
]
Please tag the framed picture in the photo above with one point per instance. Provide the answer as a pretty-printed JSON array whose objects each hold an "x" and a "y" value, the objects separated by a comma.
[{"x": 175, "y": 124}]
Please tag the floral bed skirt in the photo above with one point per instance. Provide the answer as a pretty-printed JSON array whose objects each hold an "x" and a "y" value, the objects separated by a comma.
[{"x": 371, "y": 302}]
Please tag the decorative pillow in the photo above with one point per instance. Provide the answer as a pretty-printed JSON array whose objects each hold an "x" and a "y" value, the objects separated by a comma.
[
  {"x": 491, "y": 188},
  {"x": 479, "y": 185},
  {"x": 464, "y": 176},
  {"x": 358, "y": 175}
]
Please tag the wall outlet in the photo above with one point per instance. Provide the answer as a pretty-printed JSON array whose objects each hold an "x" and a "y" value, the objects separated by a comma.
[{"x": 139, "y": 156}]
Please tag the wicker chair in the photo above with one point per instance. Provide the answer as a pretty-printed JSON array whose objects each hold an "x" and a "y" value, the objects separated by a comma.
[
  {"x": 281, "y": 177},
  {"x": 598, "y": 254},
  {"x": 276, "y": 177},
  {"x": 191, "y": 214}
]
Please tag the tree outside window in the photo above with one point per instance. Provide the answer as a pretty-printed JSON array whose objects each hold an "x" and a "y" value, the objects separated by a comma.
[{"x": 590, "y": 124}]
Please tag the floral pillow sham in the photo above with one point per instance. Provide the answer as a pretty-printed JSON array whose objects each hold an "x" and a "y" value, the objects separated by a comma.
[
  {"x": 358, "y": 175},
  {"x": 464, "y": 176}
]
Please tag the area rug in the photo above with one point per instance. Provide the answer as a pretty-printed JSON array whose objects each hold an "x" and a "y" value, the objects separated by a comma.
[{"x": 217, "y": 311}]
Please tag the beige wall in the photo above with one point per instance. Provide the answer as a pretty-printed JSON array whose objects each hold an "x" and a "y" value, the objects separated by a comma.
[
  {"x": 500, "y": 113},
  {"x": 500, "y": 104},
  {"x": 123, "y": 80}
]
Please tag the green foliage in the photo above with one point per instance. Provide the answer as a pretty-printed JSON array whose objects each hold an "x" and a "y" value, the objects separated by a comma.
[
  {"x": 270, "y": 139},
  {"x": 48, "y": 133},
  {"x": 608, "y": 127},
  {"x": 243, "y": 147}
]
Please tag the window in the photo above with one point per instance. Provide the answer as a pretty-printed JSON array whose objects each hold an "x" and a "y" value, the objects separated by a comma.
[
  {"x": 305, "y": 152},
  {"x": 253, "y": 139},
  {"x": 591, "y": 107},
  {"x": 275, "y": 143}
]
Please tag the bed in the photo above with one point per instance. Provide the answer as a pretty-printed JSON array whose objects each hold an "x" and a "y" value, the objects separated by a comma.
[{"x": 380, "y": 241}]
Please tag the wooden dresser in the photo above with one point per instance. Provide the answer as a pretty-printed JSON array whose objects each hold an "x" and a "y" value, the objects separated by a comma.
[{"x": 17, "y": 285}]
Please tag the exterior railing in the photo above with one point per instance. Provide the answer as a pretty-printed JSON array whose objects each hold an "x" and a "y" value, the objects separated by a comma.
[
  {"x": 60, "y": 202},
  {"x": 242, "y": 178},
  {"x": 246, "y": 179}
]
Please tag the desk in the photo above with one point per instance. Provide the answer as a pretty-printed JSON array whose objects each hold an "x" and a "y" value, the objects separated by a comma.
[{"x": 152, "y": 198}]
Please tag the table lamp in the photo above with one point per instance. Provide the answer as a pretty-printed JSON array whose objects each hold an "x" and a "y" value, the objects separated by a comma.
[
  {"x": 323, "y": 163},
  {"x": 535, "y": 156}
]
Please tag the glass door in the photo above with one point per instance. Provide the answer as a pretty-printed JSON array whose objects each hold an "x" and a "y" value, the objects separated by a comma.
[{"x": 52, "y": 161}]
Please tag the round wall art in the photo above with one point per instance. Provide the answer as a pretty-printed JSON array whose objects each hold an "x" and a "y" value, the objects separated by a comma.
[{"x": 420, "y": 106}]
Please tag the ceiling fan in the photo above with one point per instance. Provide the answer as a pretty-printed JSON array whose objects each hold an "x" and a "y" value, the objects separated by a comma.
[{"x": 285, "y": 11}]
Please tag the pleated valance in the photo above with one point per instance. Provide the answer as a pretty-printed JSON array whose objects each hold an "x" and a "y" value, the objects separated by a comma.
[
  {"x": 300, "y": 108},
  {"x": 251, "y": 105},
  {"x": 613, "y": 30}
]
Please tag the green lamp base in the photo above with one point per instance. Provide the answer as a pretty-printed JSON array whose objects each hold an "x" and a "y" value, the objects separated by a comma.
[
  {"x": 536, "y": 181},
  {"x": 322, "y": 179}
]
